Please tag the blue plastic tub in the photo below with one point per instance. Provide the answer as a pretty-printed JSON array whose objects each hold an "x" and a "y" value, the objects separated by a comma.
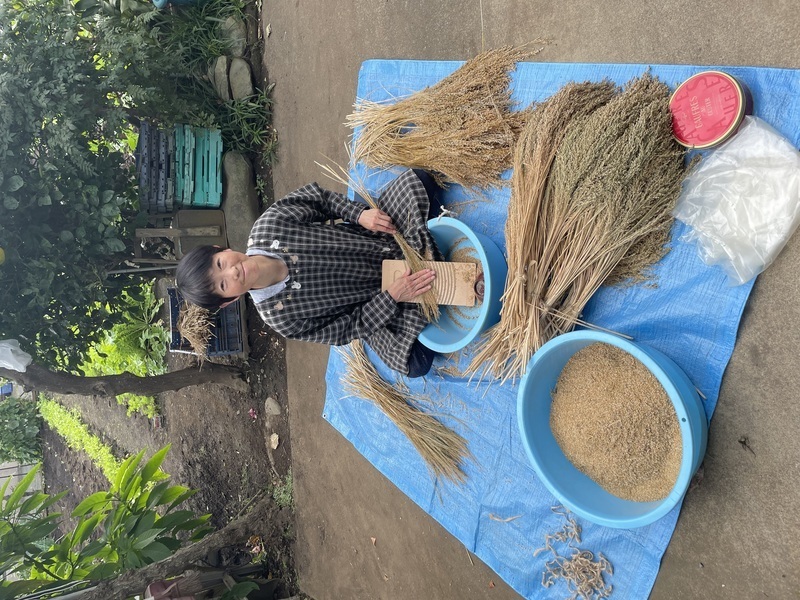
[
  {"x": 457, "y": 328},
  {"x": 575, "y": 490}
]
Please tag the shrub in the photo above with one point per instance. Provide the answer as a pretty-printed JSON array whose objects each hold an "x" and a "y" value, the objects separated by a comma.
[
  {"x": 19, "y": 431},
  {"x": 134, "y": 523}
]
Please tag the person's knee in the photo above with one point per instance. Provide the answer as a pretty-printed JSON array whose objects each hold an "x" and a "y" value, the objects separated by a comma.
[
  {"x": 420, "y": 360},
  {"x": 433, "y": 191}
]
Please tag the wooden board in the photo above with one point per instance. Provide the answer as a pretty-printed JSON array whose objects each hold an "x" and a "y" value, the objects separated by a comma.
[{"x": 454, "y": 283}]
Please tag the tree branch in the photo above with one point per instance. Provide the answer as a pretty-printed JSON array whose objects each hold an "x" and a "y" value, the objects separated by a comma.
[{"x": 59, "y": 382}]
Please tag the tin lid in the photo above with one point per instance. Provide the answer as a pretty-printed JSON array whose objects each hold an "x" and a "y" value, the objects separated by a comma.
[{"x": 706, "y": 109}]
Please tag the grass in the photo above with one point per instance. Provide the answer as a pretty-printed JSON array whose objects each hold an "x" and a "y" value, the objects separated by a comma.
[{"x": 283, "y": 493}]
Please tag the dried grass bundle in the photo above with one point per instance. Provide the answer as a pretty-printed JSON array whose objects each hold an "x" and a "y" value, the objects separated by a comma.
[
  {"x": 428, "y": 304},
  {"x": 194, "y": 325},
  {"x": 463, "y": 128},
  {"x": 440, "y": 447},
  {"x": 596, "y": 175}
]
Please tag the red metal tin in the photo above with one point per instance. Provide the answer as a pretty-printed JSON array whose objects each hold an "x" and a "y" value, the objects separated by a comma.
[{"x": 708, "y": 108}]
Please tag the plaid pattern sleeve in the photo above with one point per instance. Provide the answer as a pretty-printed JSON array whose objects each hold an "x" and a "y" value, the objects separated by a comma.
[
  {"x": 312, "y": 204},
  {"x": 334, "y": 295},
  {"x": 360, "y": 323}
]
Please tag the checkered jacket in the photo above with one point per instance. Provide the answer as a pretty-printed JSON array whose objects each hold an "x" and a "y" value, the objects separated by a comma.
[{"x": 334, "y": 293}]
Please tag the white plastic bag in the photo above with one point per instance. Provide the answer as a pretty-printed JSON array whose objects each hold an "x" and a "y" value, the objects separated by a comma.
[
  {"x": 12, "y": 357},
  {"x": 743, "y": 201}
]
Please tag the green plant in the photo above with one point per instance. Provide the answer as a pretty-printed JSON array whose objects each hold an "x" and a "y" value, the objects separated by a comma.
[
  {"x": 134, "y": 523},
  {"x": 64, "y": 196},
  {"x": 68, "y": 424},
  {"x": 73, "y": 79},
  {"x": 135, "y": 345},
  {"x": 246, "y": 124},
  {"x": 19, "y": 431},
  {"x": 239, "y": 591},
  {"x": 194, "y": 31},
  {"x": 262, "y": 186},
  {"x": 283, "y": 493}
]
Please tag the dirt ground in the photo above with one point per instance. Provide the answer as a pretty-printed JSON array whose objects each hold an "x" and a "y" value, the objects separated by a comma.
[
  {"x": 217, "y": 447},
  {"x": 221, "y": 439}
]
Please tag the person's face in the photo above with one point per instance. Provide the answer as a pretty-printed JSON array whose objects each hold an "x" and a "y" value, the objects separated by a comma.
[{"x": 231, "y": 274}]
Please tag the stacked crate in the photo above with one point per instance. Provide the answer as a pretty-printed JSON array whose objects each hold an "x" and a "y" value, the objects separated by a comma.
[
  {"x": 179, "y": 167},
  {"x": 226, "y": 328}
]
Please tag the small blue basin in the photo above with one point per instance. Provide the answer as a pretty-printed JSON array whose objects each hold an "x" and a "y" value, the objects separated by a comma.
[{"x": 458, "y": 326}]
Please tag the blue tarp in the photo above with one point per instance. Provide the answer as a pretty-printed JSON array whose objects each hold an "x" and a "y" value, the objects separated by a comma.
[{"x": 691, "y": 316}]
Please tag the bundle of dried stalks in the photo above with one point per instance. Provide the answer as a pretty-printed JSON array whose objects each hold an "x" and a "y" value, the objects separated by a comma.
[
  {"x": 194, "y": 325},
  {"x": 596, "y": 175},
  {"x": 440, "y": 447},
  {"x": 462, "y": 128},
  {"x": 428, "y": 305}
]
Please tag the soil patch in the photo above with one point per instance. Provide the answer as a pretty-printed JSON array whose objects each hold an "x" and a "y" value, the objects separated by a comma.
[{"x": 221, "y": 444}]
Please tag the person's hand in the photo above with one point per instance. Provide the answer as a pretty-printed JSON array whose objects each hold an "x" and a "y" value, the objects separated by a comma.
[
  {"x": 376, "y": 220},
  {"x": 409, "y": 286}
]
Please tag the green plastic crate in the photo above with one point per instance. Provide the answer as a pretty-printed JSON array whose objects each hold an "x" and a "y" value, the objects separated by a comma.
[{"x": 208, "y": 176}]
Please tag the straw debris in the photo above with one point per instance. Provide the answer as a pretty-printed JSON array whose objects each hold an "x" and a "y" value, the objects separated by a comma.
[
  {"x": 582, "y": 574},
  {"x": 442, "y": 449},
  {"x": 462, "y": 129},
  {"x": 596, "y": 175},
  {"x": 194, "y": 324}
]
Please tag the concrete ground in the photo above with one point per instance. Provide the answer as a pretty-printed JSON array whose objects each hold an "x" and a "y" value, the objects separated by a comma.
[{"x": 736, "y": 534}]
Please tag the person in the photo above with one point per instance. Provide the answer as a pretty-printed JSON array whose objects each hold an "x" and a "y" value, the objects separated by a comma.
[{"x": 318, "y": 281}]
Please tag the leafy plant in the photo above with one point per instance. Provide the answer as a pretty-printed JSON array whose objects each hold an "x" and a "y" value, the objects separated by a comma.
[
  {"x": 239, "y": 591},
  {"x": 68, "y": 424},
  {"x": 246, "y": 124},
  {"x": 194, "y": 31},
  {"x": 134, "y": 523},
  {"x": 135, "y": 345},
  {"x": 73, "y": 79},
  {"x": 19, "y": 431}
]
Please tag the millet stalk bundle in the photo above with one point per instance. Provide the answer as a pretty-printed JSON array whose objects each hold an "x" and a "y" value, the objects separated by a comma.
[{"x": 596, "y": 175}]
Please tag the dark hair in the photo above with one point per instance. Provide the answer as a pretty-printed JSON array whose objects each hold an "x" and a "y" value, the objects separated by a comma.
[{"x": 193, "y": 278}]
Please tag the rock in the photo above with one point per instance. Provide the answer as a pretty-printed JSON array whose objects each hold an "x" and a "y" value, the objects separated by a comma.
[
  {"x": 271, "y": 407},
  {"x": 234, "y": 30},
  {"x": 239, "y": 199},
  {"x": 211, "y": 74},
  {"x": 241, "y": 79},
  {"x": 221, "y": 78}
]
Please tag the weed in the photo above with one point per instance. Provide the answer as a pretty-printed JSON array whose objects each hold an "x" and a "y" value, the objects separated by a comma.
[
  {"x": 283, "y": 493},
  {"x": 262, "y": 186}
]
